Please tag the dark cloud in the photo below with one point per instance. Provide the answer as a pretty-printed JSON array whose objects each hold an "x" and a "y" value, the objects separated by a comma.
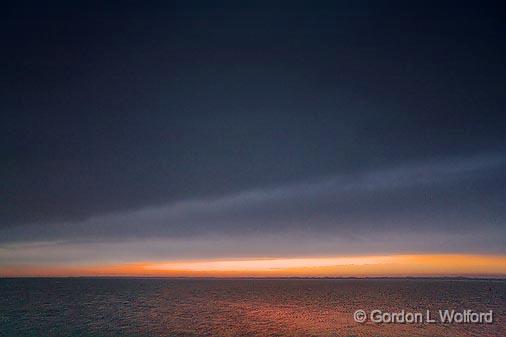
[
  {"x": 185, "y": 120},
  {"x": 462, "y": 195}
]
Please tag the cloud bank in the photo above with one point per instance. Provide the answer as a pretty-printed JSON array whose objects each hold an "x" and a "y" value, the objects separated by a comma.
[{"x": 437, "y": 205}]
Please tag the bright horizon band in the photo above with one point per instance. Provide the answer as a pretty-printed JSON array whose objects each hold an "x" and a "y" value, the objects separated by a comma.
[{"x": 430, "y": 265}]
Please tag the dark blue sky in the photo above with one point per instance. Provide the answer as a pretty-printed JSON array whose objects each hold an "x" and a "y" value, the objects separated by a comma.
[{"x": 191, "y": 121}]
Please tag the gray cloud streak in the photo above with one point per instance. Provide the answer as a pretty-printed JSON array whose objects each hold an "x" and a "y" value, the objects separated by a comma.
[{"x": 427, "y": 196}]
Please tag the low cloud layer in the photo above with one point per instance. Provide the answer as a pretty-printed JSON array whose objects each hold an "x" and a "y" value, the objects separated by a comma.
[
  {"x": 438, "y": 205},
  {"x": 240, "y": 246}
]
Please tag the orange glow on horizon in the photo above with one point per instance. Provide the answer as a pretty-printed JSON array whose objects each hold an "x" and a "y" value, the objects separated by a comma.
[
  {"x": 355, "y": 266},
  {"x": 259, "y": 265}
]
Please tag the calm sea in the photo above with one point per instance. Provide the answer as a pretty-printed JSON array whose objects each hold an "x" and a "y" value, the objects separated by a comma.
[{"x": 245, "y": 307}]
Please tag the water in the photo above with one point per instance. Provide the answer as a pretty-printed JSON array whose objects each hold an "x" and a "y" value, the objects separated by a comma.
[{"x": 247, "y": 307}]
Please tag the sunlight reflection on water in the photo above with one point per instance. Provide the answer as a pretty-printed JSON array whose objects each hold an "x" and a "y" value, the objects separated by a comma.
[{"x": 248, "y": 307}]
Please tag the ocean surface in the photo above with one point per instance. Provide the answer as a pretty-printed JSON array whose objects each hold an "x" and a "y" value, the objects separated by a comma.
[{"x": 242, "y": 307}]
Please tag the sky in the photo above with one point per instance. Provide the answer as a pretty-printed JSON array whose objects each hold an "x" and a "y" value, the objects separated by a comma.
[{"x": 344, "y": 138}]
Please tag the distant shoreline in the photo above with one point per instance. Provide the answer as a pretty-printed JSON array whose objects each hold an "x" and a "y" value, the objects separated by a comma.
[{"x": 415, "y": 278}]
